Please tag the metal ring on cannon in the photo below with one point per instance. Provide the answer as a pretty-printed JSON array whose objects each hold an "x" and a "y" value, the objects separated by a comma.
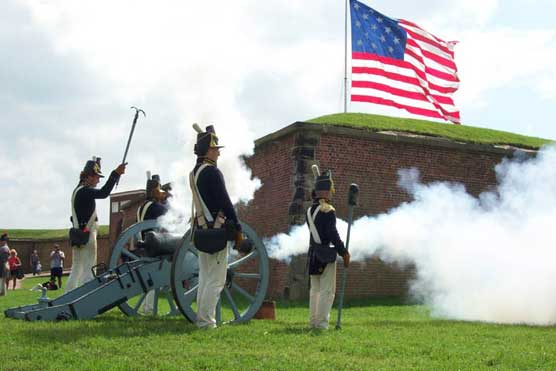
[
  {"x": 132, "y": 306},
  {"x": 245, "y": 288}
]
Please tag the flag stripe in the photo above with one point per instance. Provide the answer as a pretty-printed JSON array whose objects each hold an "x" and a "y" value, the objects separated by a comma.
[
  {"x": 434, "y": 57},
  {"x": 447, "y": 77},
  {"x": 405, "y": 22},
  {"x": 404, "y": 68},
  {"x": 439, "y": 48},
  {"x": 360, "y": 80},
  {"x": 418, "y": 49},
  {"x": 410, "y": 109},
  {"x": 379, "y": 90}
]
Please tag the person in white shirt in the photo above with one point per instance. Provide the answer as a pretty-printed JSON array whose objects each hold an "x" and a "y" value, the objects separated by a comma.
[{"x": 57, "y": 258}]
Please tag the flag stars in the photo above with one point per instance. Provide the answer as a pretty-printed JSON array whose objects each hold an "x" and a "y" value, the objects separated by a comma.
[
  {"x": 358, "y": 24},
  {"x": 379, "y": 19},
  {"x": 359, "y": 42},
  {"x": 396, "y": 40},
  {"x": 374, "y": 45},
  {"x": 365, "y": 16},
  {"x": 390, "y": 49},
  {"x": 382, "y": 38},
  {"x": 387, "y": 30},
  {"x": 367, "y": 35},
  {"x": 356, "y": 6},
  {"x": 373, "y": 27}
]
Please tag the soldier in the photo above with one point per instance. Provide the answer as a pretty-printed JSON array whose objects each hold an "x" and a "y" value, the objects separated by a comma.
[
  {"x": 154, "y": 207},
  {"x": 84, "y": 218},
  {"x": 321, "y": 219},
  {"x": 213, "y": 212},
  {"x": 155, "y": 204}
]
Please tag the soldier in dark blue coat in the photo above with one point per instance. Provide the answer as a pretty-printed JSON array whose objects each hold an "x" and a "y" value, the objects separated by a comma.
[
  {"x": 84, "y": 217},
  {"x": 155, "y": 204},
  {"x": 213, "y": 210},
  {"x": 324, "y": 247},
  {"x": 154, "y": 207}
]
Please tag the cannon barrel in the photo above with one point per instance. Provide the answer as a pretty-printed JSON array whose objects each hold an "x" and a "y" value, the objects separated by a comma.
[{"x": 157, "y": 244}]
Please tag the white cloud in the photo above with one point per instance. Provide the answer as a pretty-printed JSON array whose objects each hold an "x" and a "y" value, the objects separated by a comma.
[
  {"x": 490, "y": 59},
  {"x": 547, "y": 86},
  {"x": 71, "y": 70}
]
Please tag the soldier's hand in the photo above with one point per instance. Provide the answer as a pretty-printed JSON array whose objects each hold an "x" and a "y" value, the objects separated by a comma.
[
  {"x": 346, "y": 258},
  {"x": 238, "y": 240},
  {"x": 121, "y": 169}
]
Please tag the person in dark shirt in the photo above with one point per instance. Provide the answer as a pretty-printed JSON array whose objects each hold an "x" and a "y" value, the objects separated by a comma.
[
  {"x": 213, "y": 209},
  {"x": 84, "y": 217},
  {"x": 321, "y": 220}
]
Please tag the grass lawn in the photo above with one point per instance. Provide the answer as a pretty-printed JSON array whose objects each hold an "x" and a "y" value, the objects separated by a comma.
[
  {"x": 462, "y": 133},
  {"x": 376, "y": 334},
  {"x": 45, "y": 233}
]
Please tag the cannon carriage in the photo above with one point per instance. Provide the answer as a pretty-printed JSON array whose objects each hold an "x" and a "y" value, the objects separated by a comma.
[{"x": 167, "y": 266}]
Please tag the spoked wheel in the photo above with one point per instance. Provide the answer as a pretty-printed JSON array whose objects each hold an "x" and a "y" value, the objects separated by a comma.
[
  {"x": 246, "y": 284},
  {"x": 157, "y": 302}
]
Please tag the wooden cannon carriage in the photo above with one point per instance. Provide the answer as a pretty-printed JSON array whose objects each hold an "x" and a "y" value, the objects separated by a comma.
[{"x": 170, "y": 272}]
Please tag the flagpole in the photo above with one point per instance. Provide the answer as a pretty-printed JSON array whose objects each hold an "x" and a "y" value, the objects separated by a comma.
[{"x": 345, "y": 57}]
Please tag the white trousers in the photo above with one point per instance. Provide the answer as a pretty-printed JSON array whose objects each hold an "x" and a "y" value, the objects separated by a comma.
[
  {"x": 148, "y": 303},
  {"x": 321, "y": 296},
  {"x": 212, "y": 278},
  {"x": 83, "y": 259},
  {"x": 4, "y": 279}
]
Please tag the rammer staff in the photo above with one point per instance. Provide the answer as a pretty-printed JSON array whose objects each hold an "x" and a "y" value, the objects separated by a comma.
[
  {"x": 137, "y": 110},
  {"x": 353, "y": 195}
]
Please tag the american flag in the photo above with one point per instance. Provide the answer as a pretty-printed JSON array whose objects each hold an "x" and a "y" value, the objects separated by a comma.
[{"x": 396, "y": 63}]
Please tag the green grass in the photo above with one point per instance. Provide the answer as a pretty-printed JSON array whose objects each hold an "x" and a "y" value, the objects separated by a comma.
[
  {"x": 45, "y": 233},
  {"x": 463, "y": 133},
  {"x": 376, "y": 334}
]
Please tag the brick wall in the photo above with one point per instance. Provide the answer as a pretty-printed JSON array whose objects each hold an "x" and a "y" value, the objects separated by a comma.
[
  {"x": 25, "y": 247},
  {"x": 283, "y": 160}
]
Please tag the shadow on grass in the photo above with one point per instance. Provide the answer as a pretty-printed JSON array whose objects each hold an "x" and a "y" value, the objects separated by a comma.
[
  {"x": 109, "y": 327},
  {"x": 301, "y": 330},
  {"x": 353, "y": 303}
]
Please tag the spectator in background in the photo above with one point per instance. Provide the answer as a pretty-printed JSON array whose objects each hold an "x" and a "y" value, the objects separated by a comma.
[
  {"x": 15, "y": 267},
  {"x": 35, "y": 262},
  {"x": 57, "y": 257},
  {"x": 4, "y": 268}
]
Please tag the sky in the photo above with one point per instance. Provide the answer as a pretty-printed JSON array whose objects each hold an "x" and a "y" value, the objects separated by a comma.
[{"x": 70, "y": 70}]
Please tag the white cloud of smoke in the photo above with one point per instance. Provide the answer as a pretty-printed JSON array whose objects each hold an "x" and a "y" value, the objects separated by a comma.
[{"x": 490, "y": 258}]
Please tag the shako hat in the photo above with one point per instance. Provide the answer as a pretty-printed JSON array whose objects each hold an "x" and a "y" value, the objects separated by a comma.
[
  {"x": 153, "y": 182},
  {"x": 92, "y": 167},
  {"x": 205, "y": 140},
  {"x": 323, "y": 182}
]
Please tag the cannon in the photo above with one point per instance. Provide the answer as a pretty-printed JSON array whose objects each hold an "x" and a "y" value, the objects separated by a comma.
[{"x": 170, "y": 270}]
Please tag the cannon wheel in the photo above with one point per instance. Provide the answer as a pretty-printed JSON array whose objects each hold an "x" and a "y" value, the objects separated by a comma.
[
  {"x": 126, "y": 238},
  {"x": 240, "y": 302}
]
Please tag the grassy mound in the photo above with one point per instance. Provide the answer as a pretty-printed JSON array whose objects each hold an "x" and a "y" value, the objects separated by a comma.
[
  {"x": 39, "y": 234},
  {"x": 460, "y": 133}
]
